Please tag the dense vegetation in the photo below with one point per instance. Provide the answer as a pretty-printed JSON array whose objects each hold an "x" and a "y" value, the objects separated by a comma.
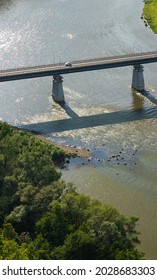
[
  {"x": 41, "y": 217},
  {"x": 150, "y": 13}
]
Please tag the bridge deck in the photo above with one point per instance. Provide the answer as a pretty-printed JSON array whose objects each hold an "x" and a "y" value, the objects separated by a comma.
[{"x": 77, "y": 66}]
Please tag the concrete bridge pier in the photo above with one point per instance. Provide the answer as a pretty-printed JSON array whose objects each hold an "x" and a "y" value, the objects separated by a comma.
[
  {"x": 138, "y": 77},
  {"x": 57, "y": 89}
]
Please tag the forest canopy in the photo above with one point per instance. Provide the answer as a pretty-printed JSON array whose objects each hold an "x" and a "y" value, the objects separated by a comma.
[{"x": 42, "y": 217}]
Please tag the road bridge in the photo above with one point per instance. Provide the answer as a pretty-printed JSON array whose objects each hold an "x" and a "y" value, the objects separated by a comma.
[{"x": 56, "y": 70}]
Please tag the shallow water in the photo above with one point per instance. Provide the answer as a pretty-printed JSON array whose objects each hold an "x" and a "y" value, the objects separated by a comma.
[{"x": 132, "y": 199}]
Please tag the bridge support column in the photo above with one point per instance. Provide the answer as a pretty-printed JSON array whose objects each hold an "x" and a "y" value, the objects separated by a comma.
[
  {"x": 57, "y": 89},
  {"x": 138, "y": 78}
]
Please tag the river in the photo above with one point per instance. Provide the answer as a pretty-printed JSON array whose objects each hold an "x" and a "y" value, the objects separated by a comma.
[{"x": 102, "y": 112}]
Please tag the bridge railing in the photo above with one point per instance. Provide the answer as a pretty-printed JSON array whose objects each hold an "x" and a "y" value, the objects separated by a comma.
[
  {"x": 62, "y": 64},
  {"x": 114, "y": 57}
]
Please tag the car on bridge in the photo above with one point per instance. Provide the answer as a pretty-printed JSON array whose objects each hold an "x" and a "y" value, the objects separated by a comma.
[{"x": 68, "y": 64}]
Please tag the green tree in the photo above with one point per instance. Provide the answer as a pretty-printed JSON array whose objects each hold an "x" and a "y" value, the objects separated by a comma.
[
  {"x": 78, "y": 227},
  {"x": 9, "y": 247}
]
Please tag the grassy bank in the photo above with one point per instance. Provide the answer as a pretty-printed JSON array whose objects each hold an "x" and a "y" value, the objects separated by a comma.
[{"x": 150, "y": 13}]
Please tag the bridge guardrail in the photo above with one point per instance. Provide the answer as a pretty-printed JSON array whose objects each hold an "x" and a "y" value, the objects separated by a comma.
[{"x": 78, "y": 63}]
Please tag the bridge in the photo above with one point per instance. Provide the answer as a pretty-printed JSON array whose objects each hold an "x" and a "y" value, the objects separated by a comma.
[{"x": 56, "y": 70}]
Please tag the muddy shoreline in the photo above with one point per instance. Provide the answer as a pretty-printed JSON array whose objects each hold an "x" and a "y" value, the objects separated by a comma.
[{"x": 75, "y": 151}]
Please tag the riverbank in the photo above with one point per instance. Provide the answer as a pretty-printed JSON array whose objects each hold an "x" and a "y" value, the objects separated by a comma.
[
  {"x": 73, "y": 151},
  {"x": 150, "y": 14},
  {"x": 106, "y": 183},
  {"x": 38, "y": 207}
]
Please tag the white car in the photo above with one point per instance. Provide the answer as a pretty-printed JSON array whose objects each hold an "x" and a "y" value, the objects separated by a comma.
[{"x": 68, "y": 64}]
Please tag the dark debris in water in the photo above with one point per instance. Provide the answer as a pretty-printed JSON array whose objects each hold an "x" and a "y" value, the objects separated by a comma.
[
  {"x": 123, "y": 157},
  {"x": 97, "y": 158}
]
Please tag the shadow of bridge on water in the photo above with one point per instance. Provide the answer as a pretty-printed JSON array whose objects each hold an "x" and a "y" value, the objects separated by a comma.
[{"x": 76, "y": 122}]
